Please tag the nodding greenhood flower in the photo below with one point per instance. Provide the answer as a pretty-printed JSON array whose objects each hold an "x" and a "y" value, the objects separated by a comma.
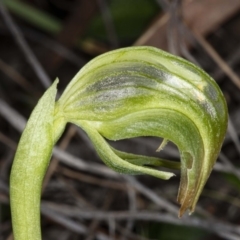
[
  {"x": 143, "y": 91},
  {"x": 133, "y": 92}
]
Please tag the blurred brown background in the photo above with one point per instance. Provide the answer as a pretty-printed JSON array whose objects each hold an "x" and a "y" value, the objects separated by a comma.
[{"x": 83, "y": 199}]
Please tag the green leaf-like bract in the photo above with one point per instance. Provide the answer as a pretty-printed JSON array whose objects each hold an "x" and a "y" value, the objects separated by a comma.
[
  {"x": 29, "y": 167},
  {"x": 126, "y": 93}
]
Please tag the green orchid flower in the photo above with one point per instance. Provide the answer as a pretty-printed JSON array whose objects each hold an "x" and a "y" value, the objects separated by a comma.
[{"x": 126, "y": 93}]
